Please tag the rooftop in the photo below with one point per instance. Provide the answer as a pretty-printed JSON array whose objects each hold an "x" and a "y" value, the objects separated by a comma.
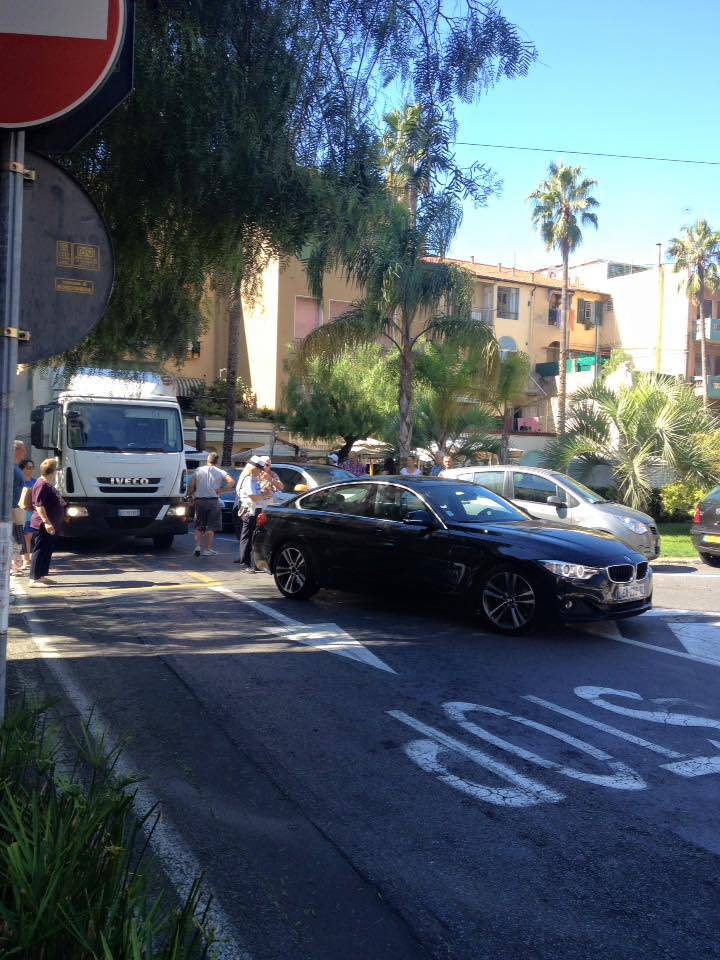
[{"x": 486, "y": 271}]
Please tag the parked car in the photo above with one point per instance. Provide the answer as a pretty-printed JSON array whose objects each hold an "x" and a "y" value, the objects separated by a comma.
[
  {"x": 422, "y": 534},
  {"x": 296, "y": 478},
  {"x": 549, "y": 495},
  {"x": 705, "y": 529}
]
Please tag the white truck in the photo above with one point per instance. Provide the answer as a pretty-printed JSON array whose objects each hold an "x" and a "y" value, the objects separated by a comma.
[{"x": 118, "y": 438}]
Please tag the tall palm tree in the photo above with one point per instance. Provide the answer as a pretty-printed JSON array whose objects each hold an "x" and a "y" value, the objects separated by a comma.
[
  {"x": 696, "y": 253},
  {"x": 649, "y": 423},
  {"x": 562, "y": 204}
]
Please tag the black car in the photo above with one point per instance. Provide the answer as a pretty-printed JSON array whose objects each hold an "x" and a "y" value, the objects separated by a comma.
[
  {"x": 422, "y": 534},
  {"x": 705, "y": 531}
]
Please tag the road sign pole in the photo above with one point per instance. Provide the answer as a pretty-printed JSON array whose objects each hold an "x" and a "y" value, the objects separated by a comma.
[{"x": 12, "y": 165}]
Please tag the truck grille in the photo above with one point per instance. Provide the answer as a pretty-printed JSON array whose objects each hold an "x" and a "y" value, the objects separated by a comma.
[{"x": 117, "y": 485}]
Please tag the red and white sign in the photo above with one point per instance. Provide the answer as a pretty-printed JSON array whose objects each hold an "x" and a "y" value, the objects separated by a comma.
[{"x": 54, "y": 55}]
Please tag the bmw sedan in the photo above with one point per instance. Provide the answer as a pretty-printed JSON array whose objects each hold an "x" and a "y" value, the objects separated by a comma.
[{"x": 421, "y": 534}]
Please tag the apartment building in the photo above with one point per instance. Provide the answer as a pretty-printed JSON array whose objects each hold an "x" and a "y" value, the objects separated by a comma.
[{"x": 522, "y": 307}]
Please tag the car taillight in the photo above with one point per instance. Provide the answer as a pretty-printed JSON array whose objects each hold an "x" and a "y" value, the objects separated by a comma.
[
  {"x": 697, "y": 516},
  {"x": 261, "y": 520}
]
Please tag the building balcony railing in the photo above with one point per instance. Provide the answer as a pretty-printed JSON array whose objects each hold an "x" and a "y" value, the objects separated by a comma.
[
  {"x": 574, "y": 365},
  {"x": 484, "y": 315},
  {"x": 712, "y": 329}
]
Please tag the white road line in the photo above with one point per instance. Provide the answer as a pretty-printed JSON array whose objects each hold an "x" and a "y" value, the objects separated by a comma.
[
  {"x": 671, "y": 612},
  {"x": 695, "y": 576},
  {"x": 176, "y": 858},
  {"x": 667, "y": 650},
  {"x": 258, "y": 605}
]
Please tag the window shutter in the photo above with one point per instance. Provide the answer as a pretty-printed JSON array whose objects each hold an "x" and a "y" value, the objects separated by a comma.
[
  {"x": 581, "y": 312},
  {"x": 599, "y": 313},
  {"x": 307, "y": 316}
]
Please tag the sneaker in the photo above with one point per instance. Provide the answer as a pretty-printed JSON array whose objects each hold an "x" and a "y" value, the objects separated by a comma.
[
  {"x": 210, "y": 553},
  {"x": 35, "y": 583},
  {"x": 196, "y": 552},
  {"x": 49, "y": 581}
]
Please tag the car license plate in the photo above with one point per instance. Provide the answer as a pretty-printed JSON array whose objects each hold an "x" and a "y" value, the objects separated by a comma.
[
  {"x": 631, "y": 591},
  {"x": 129, "y": 512},
  {"x": 711, "y": 538}
]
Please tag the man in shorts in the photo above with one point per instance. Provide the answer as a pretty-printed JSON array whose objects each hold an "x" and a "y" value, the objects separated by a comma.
[{"x": 207, "y": 484}]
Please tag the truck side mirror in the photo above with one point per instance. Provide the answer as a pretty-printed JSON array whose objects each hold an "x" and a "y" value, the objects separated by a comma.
[{"x": 36, "y": 428}]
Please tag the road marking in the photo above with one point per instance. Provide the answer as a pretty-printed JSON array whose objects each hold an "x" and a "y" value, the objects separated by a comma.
[
  {"x": 700, "y": 639},
  {"x": 171, "y": 851},
  {"x": 425, "y": 753},
  {"x": 695, "y": 576},
  {"x": 670, "y": 613},
  {"x": 668, "y": 651},
  {"x": 606, "y": 728}
]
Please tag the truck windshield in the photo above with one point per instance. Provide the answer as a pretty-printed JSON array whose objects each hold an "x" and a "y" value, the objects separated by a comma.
[{"x": 124, "y": 428}]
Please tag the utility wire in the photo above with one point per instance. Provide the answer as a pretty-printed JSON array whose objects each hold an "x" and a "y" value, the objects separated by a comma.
[{"x": 587, "y": 153}]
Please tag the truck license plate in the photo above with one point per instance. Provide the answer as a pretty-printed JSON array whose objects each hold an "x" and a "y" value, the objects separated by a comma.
[{"x": 129, "y": 512}]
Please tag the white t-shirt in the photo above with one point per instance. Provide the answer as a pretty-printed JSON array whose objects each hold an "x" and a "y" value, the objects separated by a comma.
[
  {"x": 209, "y": 481},
  {"x": 411, "y": 473}
]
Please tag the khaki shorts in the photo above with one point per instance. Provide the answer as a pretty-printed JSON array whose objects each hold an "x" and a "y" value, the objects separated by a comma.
[{"x": 208, "y": 515}]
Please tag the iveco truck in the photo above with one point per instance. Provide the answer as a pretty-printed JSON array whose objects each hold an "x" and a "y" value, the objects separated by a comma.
[{"x": 118, "y": 438}]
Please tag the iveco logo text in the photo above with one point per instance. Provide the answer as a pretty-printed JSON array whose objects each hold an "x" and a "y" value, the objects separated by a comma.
[{"x": 129, "y": 480}]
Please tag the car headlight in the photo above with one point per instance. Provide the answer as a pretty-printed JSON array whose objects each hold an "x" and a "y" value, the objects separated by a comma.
[
  {"x": 179, "y": 510},
  {"x": 77, "y": 512},
  {"x": 569, "y": 571},
  {"x": 635, "y": 525}
]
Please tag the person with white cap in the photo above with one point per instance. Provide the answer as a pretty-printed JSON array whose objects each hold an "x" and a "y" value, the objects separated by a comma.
[
  {"x": 252, "y": 498},
  {"x": 333, "y": 460}
]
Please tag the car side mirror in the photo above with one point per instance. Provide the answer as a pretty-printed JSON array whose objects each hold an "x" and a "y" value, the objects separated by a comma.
[
  {"x": 556, "y": 502},
  {"x": 300, "y": 488},
  {"x": 420, "y": 518}
]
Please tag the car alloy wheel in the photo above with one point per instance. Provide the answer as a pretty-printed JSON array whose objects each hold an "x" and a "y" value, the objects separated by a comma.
[
  {"x": 508, "y": 601},
  {"x": 292, "y": 572}
]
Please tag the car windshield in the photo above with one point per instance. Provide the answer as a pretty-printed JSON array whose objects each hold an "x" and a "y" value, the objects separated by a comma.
[
  {"x": 127, "y": 428},
  {"x": 461, "y": 502},
  {"x": 322, "y": 475},
  {"x": 579, "y": 489}
]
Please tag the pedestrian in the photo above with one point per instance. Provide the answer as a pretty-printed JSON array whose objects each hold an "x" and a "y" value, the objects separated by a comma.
[
  {"x": 27, "y": 468},
  {"x": 333, "y": 460},
  {"x": 447, "y": 464},
  {"x": 388, "y": 468},
  {"x": 412, "y": 469},
  {"x": 207, "y": 483},
  {"x": 354, "y": 465},
  {"x": 18, "y": 517},
  {"x": 252, "y": 499},
  {"x": 270, "y": 482},
  {"x": 46, "y": 522}
]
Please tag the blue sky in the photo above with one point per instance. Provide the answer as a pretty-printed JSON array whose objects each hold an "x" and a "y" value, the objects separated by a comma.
[{"x": 633, "y": 77}]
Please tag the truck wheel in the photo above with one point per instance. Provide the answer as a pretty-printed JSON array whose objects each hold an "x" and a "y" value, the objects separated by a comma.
[{"x": 163, "y": 541}]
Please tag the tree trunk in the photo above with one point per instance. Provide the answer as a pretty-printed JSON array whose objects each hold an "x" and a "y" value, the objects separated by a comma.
[
  {"x": 703, "y": 354},
  {"x": 344, "y": 451},
  {"x": 406, "y": 396},
  {"x": 564, "y": 345},
  {"x": 235, "y": 325},
  {"x": 505, "y": 436}
]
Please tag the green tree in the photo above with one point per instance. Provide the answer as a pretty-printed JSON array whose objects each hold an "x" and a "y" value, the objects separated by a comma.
[
  {"x": 351, "y": 398},
  {"x": 562, "y": 204},
  {"x": 505, "y": 392},
  {"x": 696, "y": 253},
  {"x": 409, "y": 294},
  {"x": 647, "y": 423}
]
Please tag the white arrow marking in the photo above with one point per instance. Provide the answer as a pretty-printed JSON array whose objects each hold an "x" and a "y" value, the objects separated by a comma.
[
  {"x": 323, "y": 636},
  {"x": 700, "y": 639}
]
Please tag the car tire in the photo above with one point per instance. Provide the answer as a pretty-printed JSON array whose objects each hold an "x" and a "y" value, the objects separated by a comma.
[
  {"x": 292, "y": 571},
  {"x": 163, "y": 541},
  {"x": 711, "y": 559},
  {"x": 509, "y": 600}
]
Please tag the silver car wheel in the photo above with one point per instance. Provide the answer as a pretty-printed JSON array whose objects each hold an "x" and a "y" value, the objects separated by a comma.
[
  {"x": 291, "y": 570},
  {"x": 508, "y": 600}
]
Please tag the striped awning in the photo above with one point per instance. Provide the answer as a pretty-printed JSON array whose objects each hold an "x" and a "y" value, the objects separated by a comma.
[{"x": 186, "y": 385}]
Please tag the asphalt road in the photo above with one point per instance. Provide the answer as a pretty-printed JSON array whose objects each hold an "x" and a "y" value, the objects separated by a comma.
[{"x": 377, "y": 778}]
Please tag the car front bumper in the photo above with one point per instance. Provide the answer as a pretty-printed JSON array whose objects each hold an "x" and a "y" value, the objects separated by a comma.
[
  {"x": 601, "y": 599},
  {"x": 109, "y": 519}
]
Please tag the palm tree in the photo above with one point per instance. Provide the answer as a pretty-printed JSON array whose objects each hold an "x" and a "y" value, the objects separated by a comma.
[
  {"x": 646, "y": 424},
  {"x": 696, "y": 253},
  {"x": 561, "y": 205},
  {"x": 505, "y": 392}
]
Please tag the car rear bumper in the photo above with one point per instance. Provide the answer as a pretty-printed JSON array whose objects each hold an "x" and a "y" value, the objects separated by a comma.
[{"x": 701, "y": 544}]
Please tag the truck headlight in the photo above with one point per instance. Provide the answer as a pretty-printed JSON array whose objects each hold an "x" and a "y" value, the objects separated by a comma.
[
  {"x": 74, "y": 512},
  {"x": 179, "y": 510},
  {"x": 635, "y": 525},
  {"x": 569, "y": 571}
]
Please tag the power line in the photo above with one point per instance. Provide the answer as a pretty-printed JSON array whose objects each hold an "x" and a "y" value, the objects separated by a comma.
[{"x": 587, "y": 153}]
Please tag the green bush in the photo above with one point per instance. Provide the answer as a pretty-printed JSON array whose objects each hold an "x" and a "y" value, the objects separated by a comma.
[
  {"x": 680, "y": 499},
  {"x": 74, "y": 878}
]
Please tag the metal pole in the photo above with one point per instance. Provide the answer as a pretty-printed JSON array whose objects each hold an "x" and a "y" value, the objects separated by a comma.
[{"x": 12, "y": 163}]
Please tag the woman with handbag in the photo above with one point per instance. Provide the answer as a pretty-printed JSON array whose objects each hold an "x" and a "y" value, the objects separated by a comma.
[{"x": 46, "y": 523}]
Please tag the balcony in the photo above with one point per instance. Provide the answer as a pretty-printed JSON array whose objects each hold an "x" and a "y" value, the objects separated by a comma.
[
  {"x": 713, "y": 385},
  {"x": 484, "y": 315},
  {"x": 712, "y": 329},
  {"x": 574, "y": 365}
]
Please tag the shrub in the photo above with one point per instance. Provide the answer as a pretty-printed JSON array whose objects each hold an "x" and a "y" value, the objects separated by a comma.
[{"x": 680, "y": 499}]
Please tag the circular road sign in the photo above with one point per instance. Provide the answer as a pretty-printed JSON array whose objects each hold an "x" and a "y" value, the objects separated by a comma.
[
  {"x": 67, "y": 263},
  {"x": 53, "y": 56}
]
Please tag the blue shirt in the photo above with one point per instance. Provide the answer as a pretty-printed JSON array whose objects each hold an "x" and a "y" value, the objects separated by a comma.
[{"x": 18, "y": 483}]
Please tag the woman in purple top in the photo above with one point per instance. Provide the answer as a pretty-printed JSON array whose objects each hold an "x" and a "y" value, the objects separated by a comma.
[{"x": 46, "y": 523}]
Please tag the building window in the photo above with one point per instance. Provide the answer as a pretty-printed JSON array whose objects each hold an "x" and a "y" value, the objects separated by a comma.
[
  {"x": 336, "y": 308},
  {"x": 193, "y": 348},
  {"x": 508, "y": 302},
  {"x": 507, "y": 345},
  {"x": 554, "y": 311},
  {"x": 307, "y": 316}
]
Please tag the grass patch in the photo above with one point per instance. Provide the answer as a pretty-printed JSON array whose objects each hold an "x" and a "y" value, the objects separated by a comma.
[
  {"x": 76, "y": 882},
  {"x": 675, "y": 542}
]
